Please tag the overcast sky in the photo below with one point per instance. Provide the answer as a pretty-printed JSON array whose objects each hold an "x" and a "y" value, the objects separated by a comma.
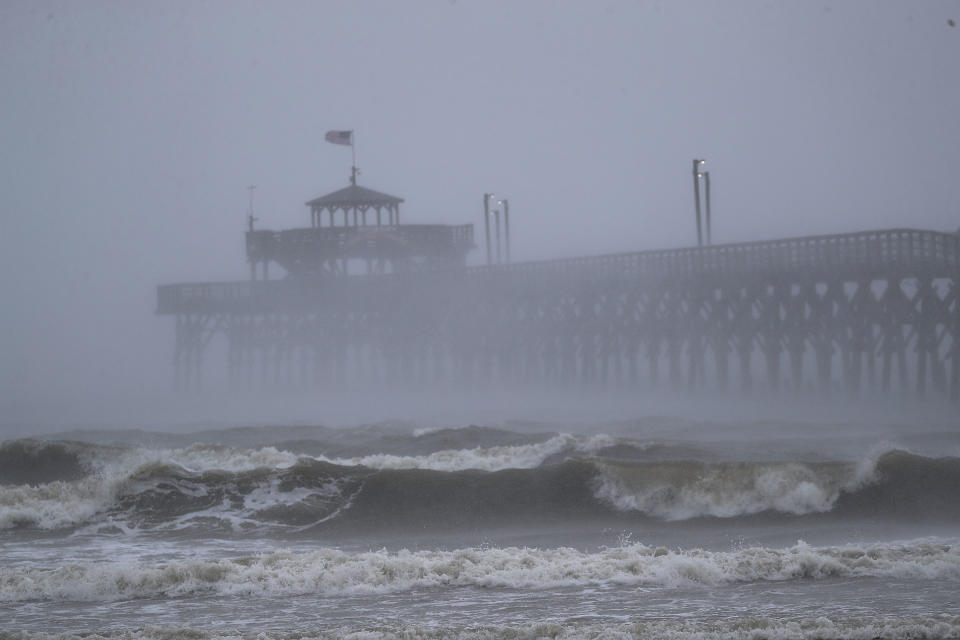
[{"x": 130, "y": 131}]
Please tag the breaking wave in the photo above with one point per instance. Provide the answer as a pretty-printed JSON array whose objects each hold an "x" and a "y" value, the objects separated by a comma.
[
  {"x": 330, "y": 571},
  {"x": 889, "y": 628},
  {"x": 679, "y": 491},
  {"x": 483, "y": 458},
  {"x": 211, "y": 488}
]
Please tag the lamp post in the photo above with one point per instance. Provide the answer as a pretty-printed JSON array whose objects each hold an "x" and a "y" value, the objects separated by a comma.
[
  {"x": 496, "y": 222},
  {"x": 486, "y": 223},
  {"x": 506, "y": 226},
  {"x": 696, "y": 197},
  {"x": 706, "y": 188},
  {"x": 250, "y": 221}
]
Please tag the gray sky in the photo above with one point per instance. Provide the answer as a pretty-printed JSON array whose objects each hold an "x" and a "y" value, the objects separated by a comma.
[{"x": 130, "y": 131}]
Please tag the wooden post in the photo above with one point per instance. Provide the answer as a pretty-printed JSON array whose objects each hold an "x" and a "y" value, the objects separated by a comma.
[{"x": 746, "y": 378}]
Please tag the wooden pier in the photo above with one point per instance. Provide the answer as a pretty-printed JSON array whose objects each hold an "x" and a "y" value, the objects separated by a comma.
[{"x": 861, "y": 313}]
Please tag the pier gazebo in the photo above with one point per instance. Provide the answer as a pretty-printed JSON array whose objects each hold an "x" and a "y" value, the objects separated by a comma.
[
  {"x": 355, "y": 200},
  {"x": 322, "y": 251}
]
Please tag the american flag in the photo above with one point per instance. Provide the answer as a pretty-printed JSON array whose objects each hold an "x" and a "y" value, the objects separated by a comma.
[{"x": 339, "y": 137}]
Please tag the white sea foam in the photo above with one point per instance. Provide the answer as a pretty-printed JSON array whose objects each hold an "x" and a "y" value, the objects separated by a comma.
[
  {"x": 678, "y": 491},
  {"x": 68, "y": 503},
  {"x": 497, "y": 458},
  {"x": 423, "y": 431},
  {"x": 206, "y": 457},
  {"x": 270, "y": 494},
  {"x": 330, "y": 571},
  {"x": 759, "y": 628},
  {"x": 54, "y": 505}
]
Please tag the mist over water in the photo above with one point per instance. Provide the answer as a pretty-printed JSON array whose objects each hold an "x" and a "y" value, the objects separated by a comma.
[
  {"x": 545, "y": 490},
  {"x": 132, "y": 135}
]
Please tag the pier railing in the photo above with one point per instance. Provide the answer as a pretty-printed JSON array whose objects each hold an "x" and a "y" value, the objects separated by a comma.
[
  {"x": 860, "y": 255},
  {"x": 868, "y": 252},
  {"x": 265, "y": 244}
]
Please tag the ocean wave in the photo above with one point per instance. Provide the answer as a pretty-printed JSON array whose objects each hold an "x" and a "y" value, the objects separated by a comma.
[
  {"x": 177, "y": 487},
  {"x": 165, "y": 496},
  {"x": 496, "y": 458},
  {"x": 35, "y": 461},
  {"x": 107, "y": 474},
  {"x": 39, "y": 462},
  {"x": 54, "y": 505},
  {"x": 215, "y": 488},
  {"x": 331, "y": 572},
  {"x": 820, "y": 628},
  {"x": 679, "y": 491},
  {"x": 894, "y": 484}
]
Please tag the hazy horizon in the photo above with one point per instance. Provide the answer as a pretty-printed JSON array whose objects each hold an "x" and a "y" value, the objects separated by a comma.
[{"x": 131, "y": 132}]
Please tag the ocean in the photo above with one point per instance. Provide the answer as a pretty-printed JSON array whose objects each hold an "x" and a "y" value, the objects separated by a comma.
[{"x": 642, "y": 528}]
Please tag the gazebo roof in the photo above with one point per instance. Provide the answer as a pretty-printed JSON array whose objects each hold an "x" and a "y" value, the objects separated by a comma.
[{"x": 354, "y": 196}]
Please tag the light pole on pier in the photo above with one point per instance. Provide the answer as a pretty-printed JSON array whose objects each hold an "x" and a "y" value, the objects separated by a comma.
[
  {"x": 506, "y": 226},
  {"x": 696, "y": 197},
  {"x": 706, "y": 189},
  {"x": 486, "y": 223},
  {"x": 250, "y": 221},
  {"x": 496, "y": 222}
]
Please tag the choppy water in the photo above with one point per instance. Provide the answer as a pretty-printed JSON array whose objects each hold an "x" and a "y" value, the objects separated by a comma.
[{"x": 395, "y": 530}]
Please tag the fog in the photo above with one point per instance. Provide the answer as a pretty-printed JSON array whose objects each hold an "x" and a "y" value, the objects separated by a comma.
[{"x": 131, "y": 131}]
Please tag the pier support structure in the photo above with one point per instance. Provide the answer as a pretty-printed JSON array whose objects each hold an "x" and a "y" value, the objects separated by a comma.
[{"x": 869, "y": 313}]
